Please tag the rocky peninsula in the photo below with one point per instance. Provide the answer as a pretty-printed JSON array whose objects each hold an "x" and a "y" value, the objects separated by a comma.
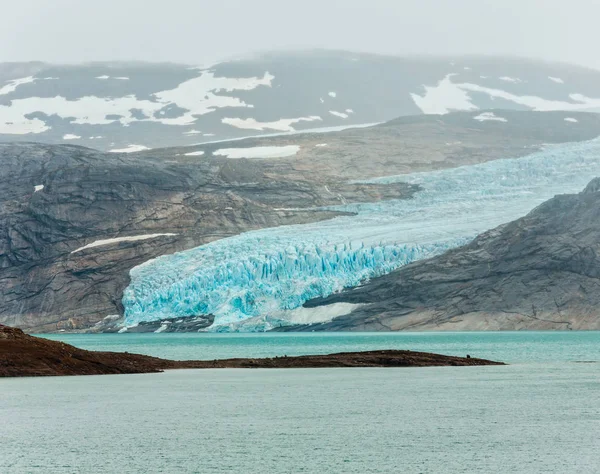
[{"x": 22, "y": 355}]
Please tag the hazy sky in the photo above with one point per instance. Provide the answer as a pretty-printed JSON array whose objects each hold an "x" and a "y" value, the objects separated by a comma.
[{"x": 202, "y": 31}]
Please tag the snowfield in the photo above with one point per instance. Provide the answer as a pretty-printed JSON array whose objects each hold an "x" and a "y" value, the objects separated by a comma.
[
  {"x": 448, "y": 96},
  {"x": 198, "y": 96}
]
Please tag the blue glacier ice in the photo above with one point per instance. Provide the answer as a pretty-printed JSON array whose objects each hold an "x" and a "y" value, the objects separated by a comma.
[{"x": 265, "y": 272}]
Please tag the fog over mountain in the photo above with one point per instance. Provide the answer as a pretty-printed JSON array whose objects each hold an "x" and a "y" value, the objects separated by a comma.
[{"x": 206, "y": 31}]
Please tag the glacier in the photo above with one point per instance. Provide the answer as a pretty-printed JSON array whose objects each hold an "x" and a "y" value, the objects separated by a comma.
[{"x": 250, "y": 280}]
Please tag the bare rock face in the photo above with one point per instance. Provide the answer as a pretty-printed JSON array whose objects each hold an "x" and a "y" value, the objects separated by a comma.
[
  {"x": 539, "y": 272},
  {"x": 56, "y": 200}
]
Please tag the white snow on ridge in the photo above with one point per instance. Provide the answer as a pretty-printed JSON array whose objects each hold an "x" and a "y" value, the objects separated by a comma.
[
  {"x": 259, "y": 152},
  {"x": 70, "y": 136},
  {"x": 514, "y": 80},
  {"x": 131, "y": 238},
  {"x": 332, "y": 94},
  {"x": 487, "y": 116},
  {"x": 22, "y": 126},
  {"x": 13, "y": 84},
  {"x": 283, "y": 125},
  {"x": 443, "y": 98},
  {"x": 338, "y": 114},
  {"x": 192, "y": 132},
  {"x": 447, "y": 96},
  {"x": 194, "y": 153},
  {"x": 105, "y": 77},
  {"x": 129, "y": 149},
  {"x": 38, "y": 187},
  {"x": 321, "y": 144},
  {"x": 349, "y": 111},
  {"x": 198, "y": 96},
  {"x": 571, "y": 119},
  {"x": 558, "y": 80}
]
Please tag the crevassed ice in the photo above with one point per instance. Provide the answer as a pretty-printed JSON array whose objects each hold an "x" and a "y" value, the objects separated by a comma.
[{"x": 271, "y": 270}]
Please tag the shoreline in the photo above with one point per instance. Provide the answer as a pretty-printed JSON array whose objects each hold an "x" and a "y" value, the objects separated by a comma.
[{"x": 22, "y": 355}]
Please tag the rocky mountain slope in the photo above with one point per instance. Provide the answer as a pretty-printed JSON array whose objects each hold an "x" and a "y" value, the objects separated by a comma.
[
  {"x": 74, "y": 221},
  {"x": 539, "y": 272},
  {"x": 132, "y": 106}
]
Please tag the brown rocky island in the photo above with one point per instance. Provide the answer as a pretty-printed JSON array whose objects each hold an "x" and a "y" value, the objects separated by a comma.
[{"x": 22, "y": 355}]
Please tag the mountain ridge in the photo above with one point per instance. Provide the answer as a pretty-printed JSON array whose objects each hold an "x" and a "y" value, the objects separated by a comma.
[{"x": 124, "y": 105}]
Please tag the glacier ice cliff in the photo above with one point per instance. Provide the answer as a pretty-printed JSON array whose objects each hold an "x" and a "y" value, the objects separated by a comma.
[{"x": 265, "y": 272}]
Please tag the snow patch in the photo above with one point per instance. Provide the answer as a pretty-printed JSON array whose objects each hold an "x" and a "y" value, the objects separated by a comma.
[
  {"x": 103, "y": 78},
  {"x": 194, "y": 153},
  {"x": 558, "y": 80},
  {"x": 131, "y": 238},
  {"x": 12, "y": 85},
  {"x": 192, "y": 132},
  {"x": 514, "y": 80},
  {"x": 332, "y": 94},
  {"x": 70, "y": 136},
  {"x": 487, "y": 116},
  {"x": 283, "y": 125},
  {"x": 321, "y": 144},
  {"x": 571, "y": 119},
  {"x": 350, "y": 111},
  {"x": 129, "y": 149},
  {"x": 162, "y": 328},
  {"x": 447, "y": 96},
  {"x": 38, "y": 187},
  {"x": 338, "y": 114},
  {"x": 443, "y": 98},
  {"x": 259, "y": 152}
]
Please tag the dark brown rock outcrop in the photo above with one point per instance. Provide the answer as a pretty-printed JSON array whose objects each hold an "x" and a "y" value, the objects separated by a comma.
[{"x": 22, "y": 355}]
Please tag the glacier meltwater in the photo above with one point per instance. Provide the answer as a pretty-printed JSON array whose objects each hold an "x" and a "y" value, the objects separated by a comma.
[{"x": 261, "y": 275}]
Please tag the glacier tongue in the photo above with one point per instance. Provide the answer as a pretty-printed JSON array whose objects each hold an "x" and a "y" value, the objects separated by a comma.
[
  {"x": 261, "y": 273},
  {"x": 250, "y": 275}
]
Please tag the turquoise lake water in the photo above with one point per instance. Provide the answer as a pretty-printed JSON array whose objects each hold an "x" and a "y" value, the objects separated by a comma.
[
  {"x": 526, "y": 346},
  {"x": 541, "y": 414}
]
